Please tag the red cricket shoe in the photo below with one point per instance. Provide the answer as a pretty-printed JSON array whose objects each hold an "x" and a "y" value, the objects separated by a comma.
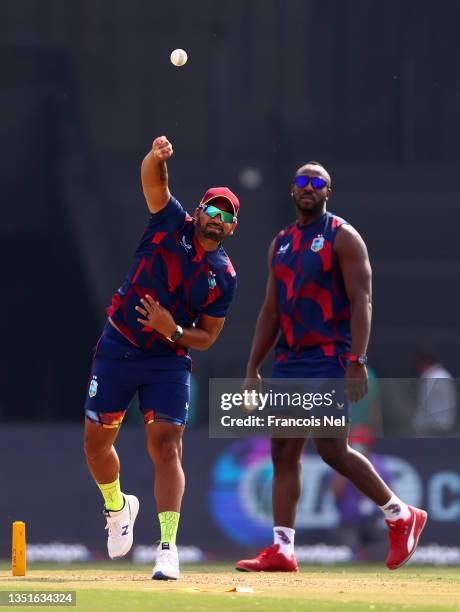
[
  {"x": 404, "y": 537},
  {"x": 269, "y": 560}
]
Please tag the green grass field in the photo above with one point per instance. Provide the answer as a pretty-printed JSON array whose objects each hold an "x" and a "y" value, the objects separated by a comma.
[{"x": 123, "y": 586}]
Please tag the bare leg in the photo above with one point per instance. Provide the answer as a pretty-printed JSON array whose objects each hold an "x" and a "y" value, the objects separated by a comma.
[
  {"x": 354, "y": 466},
  {"x": 287, "y": 479},
  {"x": 164, "y": 444},
  {"x": 101, "y": 457}
]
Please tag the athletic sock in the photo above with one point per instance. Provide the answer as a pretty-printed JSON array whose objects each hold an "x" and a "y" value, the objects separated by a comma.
[
  {"x": 395, "y": 509},
  {"x": 169, "y": 523},
  {"x": 113, "y": 497},
  {"x": 284, "y": 536}
]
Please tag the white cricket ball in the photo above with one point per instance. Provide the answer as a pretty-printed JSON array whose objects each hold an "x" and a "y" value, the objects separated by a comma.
[{"x": 179, "y": 57}]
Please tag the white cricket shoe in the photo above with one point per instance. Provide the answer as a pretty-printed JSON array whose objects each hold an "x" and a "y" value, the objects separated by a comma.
[
  {"x": 120, "y": 526},
  {"x": 167, "y": 565}
]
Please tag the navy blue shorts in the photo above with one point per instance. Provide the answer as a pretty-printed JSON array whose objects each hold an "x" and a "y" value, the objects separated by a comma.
[
  {"x": 329, "y": 375},
  {"x": 120, "y": 370}
]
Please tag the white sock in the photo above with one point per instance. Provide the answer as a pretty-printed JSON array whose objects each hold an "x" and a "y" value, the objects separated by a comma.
[
  {"x": 284, "y": 536},
  {"x": 395, "y": 509}
]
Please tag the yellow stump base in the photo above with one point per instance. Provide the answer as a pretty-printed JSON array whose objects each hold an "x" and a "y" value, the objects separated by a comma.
[{"x": 18, "y": 551}]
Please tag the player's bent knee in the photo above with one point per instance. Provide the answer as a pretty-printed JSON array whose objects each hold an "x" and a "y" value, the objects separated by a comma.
[
  {"x": 332, "y": 452},
  {"x": 165, "y": 451},
  {"x": 94, "y": 449},
  {"x": 97, "y": 441},
  {"x": 170, "y": 451}
]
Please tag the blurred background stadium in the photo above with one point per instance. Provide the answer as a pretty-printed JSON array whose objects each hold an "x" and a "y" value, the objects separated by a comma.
[{"x": 372, "y": 90}]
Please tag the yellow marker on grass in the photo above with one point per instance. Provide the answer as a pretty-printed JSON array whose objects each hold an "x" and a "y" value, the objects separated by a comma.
[{"x": 18, "y": 551}]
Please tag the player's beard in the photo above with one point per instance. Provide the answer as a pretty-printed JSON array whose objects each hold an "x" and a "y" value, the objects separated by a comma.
[
  {"x": 215, "y": 232},
  {"x": 310, "y": 210}
]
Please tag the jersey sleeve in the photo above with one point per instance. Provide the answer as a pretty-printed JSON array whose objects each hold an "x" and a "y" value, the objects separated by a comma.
[
  {"x": 219, "y": 307},
  {"x": 170, "y": 218}
]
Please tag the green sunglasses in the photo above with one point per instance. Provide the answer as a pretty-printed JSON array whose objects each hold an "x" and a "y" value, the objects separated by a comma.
[{"x": 213, "y": 211}]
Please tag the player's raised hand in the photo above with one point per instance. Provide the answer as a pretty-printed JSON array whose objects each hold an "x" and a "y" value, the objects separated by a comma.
[
  {"x": 154, "y": 174},
  {"x": 162, "y": 148}
]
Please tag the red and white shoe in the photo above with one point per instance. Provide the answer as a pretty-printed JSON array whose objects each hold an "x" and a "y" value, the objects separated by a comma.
[
  {"x": 269, "y": 560},
  {"x": 404, "y": 536}
]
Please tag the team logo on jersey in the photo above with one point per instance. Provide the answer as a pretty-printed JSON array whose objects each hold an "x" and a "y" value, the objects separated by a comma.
[
  {"x": 283, "y": 249},
  {"x": 93, "y": 387},
  {"x": 185, "y": 244},
  {"x": 212, "y": 279},
  {"x": 317, "y": 243}
]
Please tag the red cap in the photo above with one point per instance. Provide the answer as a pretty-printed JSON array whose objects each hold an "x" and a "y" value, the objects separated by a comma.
[{"x": 222, "y": 192}]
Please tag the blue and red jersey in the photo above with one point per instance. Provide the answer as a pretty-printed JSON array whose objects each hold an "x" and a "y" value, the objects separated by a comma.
[
  {"x": 171, "y": 266},
  {"x": 314, "y": 308}
]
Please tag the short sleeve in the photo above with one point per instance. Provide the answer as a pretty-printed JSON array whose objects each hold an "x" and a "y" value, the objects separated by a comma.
[
  {"x": 219, "y": 307},
  {"x": 169, "y": 218}
]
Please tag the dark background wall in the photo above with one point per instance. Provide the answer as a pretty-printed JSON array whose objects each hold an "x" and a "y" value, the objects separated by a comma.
[
  {"x": 227, "y": 504},
  {"x": 370, "y": 89}
]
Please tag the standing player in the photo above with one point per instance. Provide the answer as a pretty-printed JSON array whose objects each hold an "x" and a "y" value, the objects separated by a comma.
[
  {"x": 318, "y": 301},
  {"x": 175, "y": 297}
]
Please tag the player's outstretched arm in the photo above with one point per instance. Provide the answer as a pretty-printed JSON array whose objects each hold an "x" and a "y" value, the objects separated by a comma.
[
  {"x": 267, "y": 326},
  {"x": 356, "y": 269},
  {"x": 154, "y": 174}
]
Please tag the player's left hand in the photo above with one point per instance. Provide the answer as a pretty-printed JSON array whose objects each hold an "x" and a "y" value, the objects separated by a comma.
[
  {"x": 356, "y": 382},
  {"x": 156, "y": 316}
]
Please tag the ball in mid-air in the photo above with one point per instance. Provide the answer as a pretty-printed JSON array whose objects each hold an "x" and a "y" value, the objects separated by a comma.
[{"x": 178, "y": 57}]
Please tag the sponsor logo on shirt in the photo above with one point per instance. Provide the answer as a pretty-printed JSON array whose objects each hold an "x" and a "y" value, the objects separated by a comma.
[
  {"x": 185, "y": 244},
  {"x": 283, "y": 249}
]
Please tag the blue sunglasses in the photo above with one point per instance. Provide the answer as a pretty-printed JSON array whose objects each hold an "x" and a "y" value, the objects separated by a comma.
[{"x": 317, "y": 182}]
